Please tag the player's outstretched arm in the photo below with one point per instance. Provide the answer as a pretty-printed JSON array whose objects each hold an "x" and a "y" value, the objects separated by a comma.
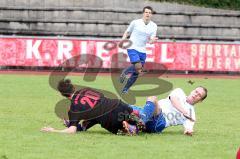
[
  {"x": 188, "y": 127},
  {"x": 177, "y": 104},
  {"x": 70, "y": 130}
]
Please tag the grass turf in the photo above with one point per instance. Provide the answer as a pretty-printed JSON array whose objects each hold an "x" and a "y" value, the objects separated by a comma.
[{"x": 28, "y": 102}]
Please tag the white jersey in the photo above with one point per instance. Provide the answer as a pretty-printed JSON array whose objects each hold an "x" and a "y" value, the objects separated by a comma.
[
  {"x": 172, "y": 115},
  {"x": 141, "y": 34}
]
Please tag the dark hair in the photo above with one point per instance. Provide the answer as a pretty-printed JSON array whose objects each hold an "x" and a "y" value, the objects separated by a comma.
[
  {"x": 206, "y": 92},
  {"x": 65, "y": 87},
  {"x": 148, "y": 7}
]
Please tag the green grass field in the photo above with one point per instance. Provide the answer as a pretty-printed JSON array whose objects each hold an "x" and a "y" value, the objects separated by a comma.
[{"x": 27, "y": 103}]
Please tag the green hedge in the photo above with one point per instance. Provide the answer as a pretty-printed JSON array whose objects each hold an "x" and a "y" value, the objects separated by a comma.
[{"x": 222, "y": 4}]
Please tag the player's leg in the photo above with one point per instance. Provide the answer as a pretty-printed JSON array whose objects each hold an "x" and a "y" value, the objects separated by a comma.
[
  {"x": 138, "y": 60},
  {"x": 144, "y": 114},
  {"x": 131, "y": 80},
  {"x": 156, "y": 125},
  {"x": 153, "y": 122},
  {"x": 147, "y": 112},
  {"x": 134, "y": 58},
  {"x": 152, "y": 116},
  {"x": 142, "y": 57},
  {"x": 149, "y": 108}
]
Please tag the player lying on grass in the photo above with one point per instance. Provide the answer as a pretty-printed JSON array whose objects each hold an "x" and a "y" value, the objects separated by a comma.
[
  {"x": 176, "y": 109},
  {"x": 93, "y": 107}
]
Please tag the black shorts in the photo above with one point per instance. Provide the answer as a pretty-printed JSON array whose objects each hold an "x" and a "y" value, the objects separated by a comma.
[{"x": 112, "y": 121}]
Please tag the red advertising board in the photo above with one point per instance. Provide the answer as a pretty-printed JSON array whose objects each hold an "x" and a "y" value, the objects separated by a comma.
[{"x": 175, "y": 55}]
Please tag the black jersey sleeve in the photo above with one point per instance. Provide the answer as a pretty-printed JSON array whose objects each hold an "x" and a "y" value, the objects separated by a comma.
[{"x": 73, "y": 118}]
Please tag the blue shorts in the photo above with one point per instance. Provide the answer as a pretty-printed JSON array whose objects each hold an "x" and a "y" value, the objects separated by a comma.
[
  {"x": 136, "y": 56},
  {"x": 156, "y": 125}
]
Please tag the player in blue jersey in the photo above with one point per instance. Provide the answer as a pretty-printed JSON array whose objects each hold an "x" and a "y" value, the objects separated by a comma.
[{"x": 141, "y": 32}]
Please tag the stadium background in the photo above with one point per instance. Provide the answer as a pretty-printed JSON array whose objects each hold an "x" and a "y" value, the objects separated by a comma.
[{"x": 198, "y": 46}]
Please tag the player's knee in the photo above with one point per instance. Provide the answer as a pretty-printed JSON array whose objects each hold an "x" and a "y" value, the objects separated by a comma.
[
  {"x": 152, "y": 99},
  {"x": 138, "y": 67}
]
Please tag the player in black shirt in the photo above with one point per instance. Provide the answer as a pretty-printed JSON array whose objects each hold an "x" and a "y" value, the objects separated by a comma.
[{"x": 91, "y": 106}]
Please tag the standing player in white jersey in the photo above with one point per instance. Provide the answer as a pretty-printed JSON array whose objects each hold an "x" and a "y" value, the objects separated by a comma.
[
  {"x": 141, "y": 31},
  {"x": 176, "y": 109}
]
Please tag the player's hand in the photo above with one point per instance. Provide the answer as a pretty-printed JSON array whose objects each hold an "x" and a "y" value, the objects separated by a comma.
[
  {"x": 151, "y": 41},
  {"x": 47, "y": 129},
  {"x": 155, "y": 38},
  {"x": 188, "y": 132},
  {"x": 125, "y": 43}
]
